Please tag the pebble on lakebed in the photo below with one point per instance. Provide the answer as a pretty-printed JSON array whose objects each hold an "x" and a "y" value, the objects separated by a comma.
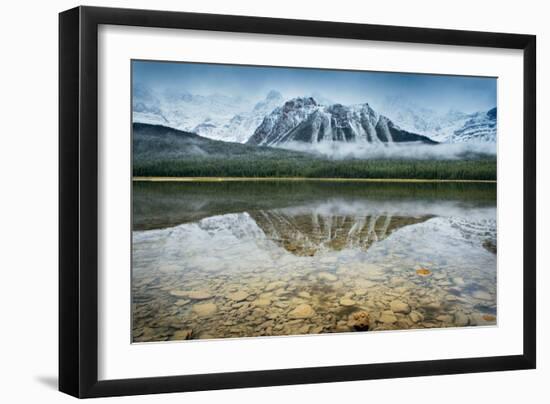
[
  {"x": 262, "y": 302},
  {"x": 302, "y": 311},
  {"x": 398, "y": 306},
  {"x": 346, "y": 301},
  {"x": 193, "y": 294},
  {"x": 182, "y": 335},
  {"x": 387, "y": 317},
  {"x": 482, "y": 295},
  {"x": 359, "y": 321},
  {"x": 326, "y": 298},
  {"x": 205, "y": 309},
  {"x": 238, "y": 296},
  {"x": 199, "y": 295}
]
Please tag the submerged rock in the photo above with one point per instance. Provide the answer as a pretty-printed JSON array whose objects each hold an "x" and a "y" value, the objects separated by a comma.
[
  {"x": 178, "y": 293},
  {"x": 302, "y": 311},
  {"x": 359, "y": 321},
  {"x": 262, "y": 302},
  {"x": 183, "y": 335},
  {"x": 238, "y": 296},
  {"x": 346, "y": 301},
  {"x": 431, "y": 306},
  {"x": 423, "y": 272},
  {"x": 387, "y": 317},
  {"x": 199, "y": 295},
  {"x": 274, "y": 285},
  {"x": 205, "y": 309},
  {"x": 397, "y": 306},
  {"x": 444, "y": 318},
  {"x": 416, "y": 316},
  {"x": 458, "y": 281},
  {"x": 461, "y": 319},
  {"x": 482, "y": 295}
]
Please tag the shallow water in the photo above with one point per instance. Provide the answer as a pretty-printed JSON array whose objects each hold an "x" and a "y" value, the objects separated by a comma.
[{"x": 242, "y": 259}]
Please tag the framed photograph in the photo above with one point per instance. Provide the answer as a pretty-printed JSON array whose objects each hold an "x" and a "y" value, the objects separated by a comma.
[{"x": 251, "y": 201}]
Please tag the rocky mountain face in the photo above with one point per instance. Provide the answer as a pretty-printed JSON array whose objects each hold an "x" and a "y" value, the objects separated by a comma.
[
  {"x": 481, "y": 127},
  {"x": 304, "y": 120}
]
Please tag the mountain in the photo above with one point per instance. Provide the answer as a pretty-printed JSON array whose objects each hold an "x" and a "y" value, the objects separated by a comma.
[
  {"x": 452, "y": 126},
  {"x": 304, "y": 120},
  {"x": 242, "y": 125},
  {"x": 410, "y": 116},
  {"x": 480, "y": 128},
  {"x": 215, "y": 116},
  {"x": 152, "y": 143},
  {"x": 183, "y": 110},
  {"x": 272, "y": 121}
]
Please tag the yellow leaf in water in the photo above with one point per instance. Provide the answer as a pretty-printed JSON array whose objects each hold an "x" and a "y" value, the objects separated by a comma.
[
  {"x": 488, "y": 317},
  {"x": 423, "y": 272}
]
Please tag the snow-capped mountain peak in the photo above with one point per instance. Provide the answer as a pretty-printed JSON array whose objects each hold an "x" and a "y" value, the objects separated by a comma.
[
  {"x": 303, "y": 119},
  {"x": 242, "y": 125},
  {"x": 312, "y": 119},
  {"x": 439, "y": 126},
  {"x": 481, "y": 127},
  {"x": 216, "y": 116}
]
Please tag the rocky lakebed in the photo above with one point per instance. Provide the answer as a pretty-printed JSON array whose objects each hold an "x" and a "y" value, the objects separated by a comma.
[{"x": 326, "y": 266}]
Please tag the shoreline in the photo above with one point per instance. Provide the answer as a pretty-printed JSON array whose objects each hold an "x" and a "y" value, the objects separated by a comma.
[{"x": 266, "y": 179}]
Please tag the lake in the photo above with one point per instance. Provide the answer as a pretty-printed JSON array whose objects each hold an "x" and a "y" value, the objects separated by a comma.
[{"x": 267, "y": 258}]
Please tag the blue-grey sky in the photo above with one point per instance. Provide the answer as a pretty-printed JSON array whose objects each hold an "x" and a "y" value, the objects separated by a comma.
[{"x": 438, "y": 92}]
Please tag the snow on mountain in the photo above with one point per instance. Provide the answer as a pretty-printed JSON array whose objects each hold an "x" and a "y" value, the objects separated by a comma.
[
  {"x": 283, "y": 119},
  {"x": 314, "y": 119},
  {"x": 447, "y": 127},
  {"x": 242, "y": 125},
  {"x": 425, "y": 121},
  {"x": 215, "y": 116},
  {"x": 480, "y": 128},
  {"x": 304, "y": 120},
  {"x": 182, "y": 110}
]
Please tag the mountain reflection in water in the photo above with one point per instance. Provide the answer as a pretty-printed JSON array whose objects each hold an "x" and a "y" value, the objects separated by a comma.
[
  {"x": 304, "y": 234},
  {"x": 233, "y": 259}
]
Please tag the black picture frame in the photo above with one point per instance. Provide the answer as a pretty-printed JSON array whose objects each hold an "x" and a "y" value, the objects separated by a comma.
[{"x": 78, "y": 201}]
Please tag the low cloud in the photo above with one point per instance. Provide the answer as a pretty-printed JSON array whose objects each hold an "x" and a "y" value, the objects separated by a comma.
[{"x": 412, "y": 150}]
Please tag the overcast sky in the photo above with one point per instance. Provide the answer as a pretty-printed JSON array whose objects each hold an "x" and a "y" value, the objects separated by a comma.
[{"x": 439, "y": 92}]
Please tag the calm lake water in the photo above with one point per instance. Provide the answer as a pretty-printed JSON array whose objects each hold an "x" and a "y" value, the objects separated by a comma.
[{"x": 242, "y": 259}]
